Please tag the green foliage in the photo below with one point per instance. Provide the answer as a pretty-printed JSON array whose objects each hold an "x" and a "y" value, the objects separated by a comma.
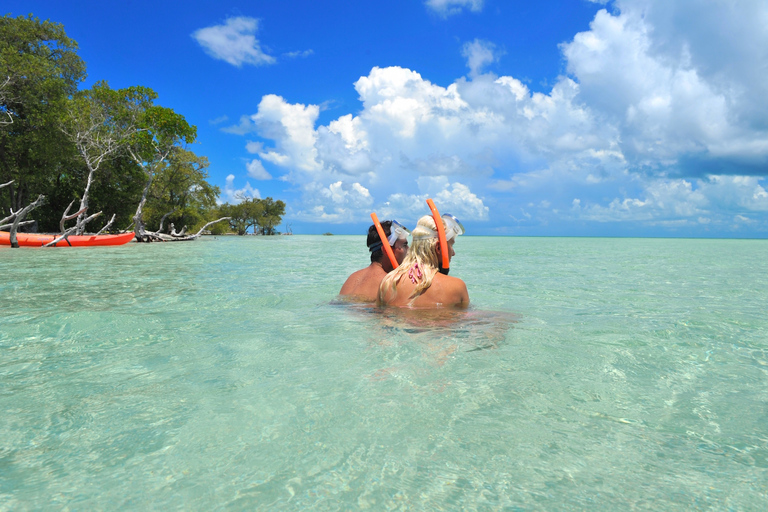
[
  {"x": 100, "y": 120},
  {"x": 116, "y": 191},
  {"x": 262, "y": 215},
  {"x": 160, "y": 131},
  {"x": 43, "y": 70},
  {"x": 271, "y": 215},
  {"x": 180, "y": 186}
]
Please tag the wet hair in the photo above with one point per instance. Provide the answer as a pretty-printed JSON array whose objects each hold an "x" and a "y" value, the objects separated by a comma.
[
  {"x": 373, "y": 238},
  {"x": 422, "y": 251}
]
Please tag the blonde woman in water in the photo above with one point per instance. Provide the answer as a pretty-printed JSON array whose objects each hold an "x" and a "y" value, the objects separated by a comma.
[{"x": 418, "y": 281}]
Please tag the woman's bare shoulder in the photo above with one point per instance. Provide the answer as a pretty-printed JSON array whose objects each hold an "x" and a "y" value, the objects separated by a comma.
[{"x": 446, "y": 291}]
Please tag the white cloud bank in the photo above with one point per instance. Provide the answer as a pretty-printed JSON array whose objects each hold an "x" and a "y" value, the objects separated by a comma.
[
  {"x": 234, "y": 42},
  {"x": 659, "y": 121}
]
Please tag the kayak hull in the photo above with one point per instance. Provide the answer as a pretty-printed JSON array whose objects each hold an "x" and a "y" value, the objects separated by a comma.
[{"x": 38, "y": 240}]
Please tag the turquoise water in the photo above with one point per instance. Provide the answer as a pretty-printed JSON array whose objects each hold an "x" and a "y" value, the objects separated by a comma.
[{"x": 219, "y": 375}]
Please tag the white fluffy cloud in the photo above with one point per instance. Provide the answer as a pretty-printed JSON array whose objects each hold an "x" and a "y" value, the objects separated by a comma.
[
  {"x": 454, "y": 198},
  {"x": 337, "y": 203},
  {"x": 234, "y": 42},
  {"x": 234, "y": 196},
  {"x": 256, "y": 170},
  {"x": 479, "y": 54},
  {"x": 447, "y": 8},
  {"x": 292, "y": 127}
]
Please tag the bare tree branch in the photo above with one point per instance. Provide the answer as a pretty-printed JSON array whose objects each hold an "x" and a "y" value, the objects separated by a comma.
[
  {"x": 206, "y": 227},
  {"x": 96, "y": 133},
  {"x": 180, "y": 233},
  {"x": 25, "y": 223},
  {"x": 19, "y": 216},
  {"x": 108, "y": 224},
  {"x": 6, "y": 184},
  {"x": 137, "y": 218},
  {"x": 71, "y": 230},
  {"x": 150, "y": 236},
  {"x": 65, "y": 217},
  {"x": 162, "y": 221}
]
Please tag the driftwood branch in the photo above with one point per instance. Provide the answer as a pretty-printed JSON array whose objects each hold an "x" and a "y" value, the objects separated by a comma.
[
  {"x": 65, "y": 216},
  {"x": 108, "y": 224},
  {"x": 150, "y": 236},
  {"x": 2, "y": 185},
  {"x": 24, "y": 223},
  {"x": 19, "y": 217},
  {"x": 150, "y": 169},
  {"x": 71, "y": 230},
  {"x": 209, "y": 224},
  {"x": 180, "y": 233},
  {"x": 162, "y": 221}
]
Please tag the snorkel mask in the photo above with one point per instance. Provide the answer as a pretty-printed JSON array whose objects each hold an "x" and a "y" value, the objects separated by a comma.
[
  {"x": 452, "y": 229},
  {"x": 453, "y": 226},
  {"x": 396, "y": 232}
]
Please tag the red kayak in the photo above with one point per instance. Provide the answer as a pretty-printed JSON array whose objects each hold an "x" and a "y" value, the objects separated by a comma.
[{"x": 37, "y": 240}]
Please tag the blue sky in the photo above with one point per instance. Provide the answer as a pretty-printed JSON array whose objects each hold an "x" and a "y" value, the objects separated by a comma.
[{"x": 597, "y": 118}]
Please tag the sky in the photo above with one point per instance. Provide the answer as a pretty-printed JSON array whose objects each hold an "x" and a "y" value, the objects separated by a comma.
[{"x": 559, "y": 118}]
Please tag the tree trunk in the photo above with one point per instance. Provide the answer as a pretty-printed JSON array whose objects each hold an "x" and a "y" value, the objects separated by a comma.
[
  {"x": 19, "y": 216},
  {"x": 84, "y": 201},
  {"x": 138, "y": 223},
  {"x": 108, "y": 224}
]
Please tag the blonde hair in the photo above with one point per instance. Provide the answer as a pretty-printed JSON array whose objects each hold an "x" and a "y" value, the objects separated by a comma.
[{"x": 423, "y": 251}]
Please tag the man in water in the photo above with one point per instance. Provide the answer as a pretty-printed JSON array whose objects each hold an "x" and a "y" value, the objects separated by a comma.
[
  {"x": 363, "y": 285},
  {"x": 420, "y": 282}
]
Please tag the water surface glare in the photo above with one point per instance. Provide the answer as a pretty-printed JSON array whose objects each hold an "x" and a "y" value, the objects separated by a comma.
[{"x": 601, "y": 374}]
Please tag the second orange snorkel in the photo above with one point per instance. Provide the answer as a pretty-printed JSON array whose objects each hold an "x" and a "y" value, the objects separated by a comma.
[
  {"x": 440, "y": 235},
  {"x": 384, "y": 241}
]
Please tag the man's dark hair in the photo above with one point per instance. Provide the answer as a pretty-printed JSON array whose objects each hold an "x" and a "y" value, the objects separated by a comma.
[{"x": 373, "y": 238}]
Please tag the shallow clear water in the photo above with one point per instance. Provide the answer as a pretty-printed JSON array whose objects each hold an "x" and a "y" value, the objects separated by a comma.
[{"x": 219, "y": 374}]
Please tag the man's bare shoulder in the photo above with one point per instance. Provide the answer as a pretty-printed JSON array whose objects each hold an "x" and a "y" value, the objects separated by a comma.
[
  {"x": 364, "y": 282},
  {"x": 353, "y": 281}
]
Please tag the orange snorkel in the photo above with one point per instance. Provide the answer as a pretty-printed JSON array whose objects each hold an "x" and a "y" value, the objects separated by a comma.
[
  {"x": 440, "y": 235},
  {"x": 384, "y": 241}
]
